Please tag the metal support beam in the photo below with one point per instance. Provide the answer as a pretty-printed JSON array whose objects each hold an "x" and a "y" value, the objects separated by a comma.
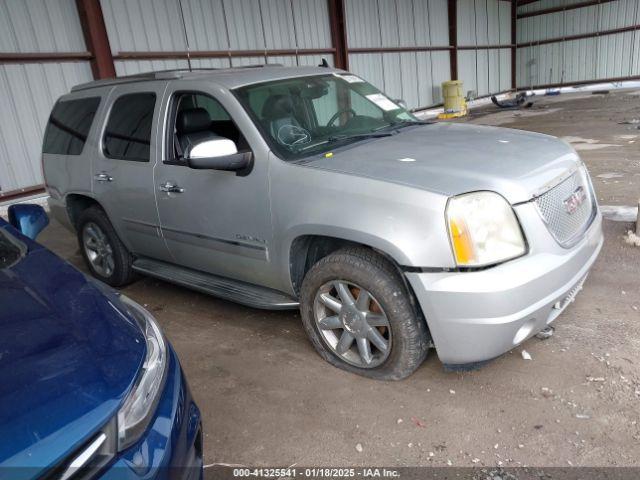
[
  {"x": 338, "y": 23},
  {"x": 41, "y": 57},
  {"x": 96, "y": 39},
  {"x": 21, "y": 192},
  {"x": 452, "y": 13},
  {"x": 580, "y": 36},
  {"x": 564, "y": 8},
  {"x": 166, "y": 55},
  {"x": 514, "y": 39}
]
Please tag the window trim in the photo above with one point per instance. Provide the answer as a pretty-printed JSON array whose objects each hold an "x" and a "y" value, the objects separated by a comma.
[
  {"x": 106, "y": 125},
  {"x": 172, "y": 113},
  {"x": 70, "y": 131}
]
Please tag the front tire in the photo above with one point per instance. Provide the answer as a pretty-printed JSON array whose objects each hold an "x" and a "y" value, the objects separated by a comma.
[
  {"x": 105, "y": 255},
  {"x": 359, "y": 315}
]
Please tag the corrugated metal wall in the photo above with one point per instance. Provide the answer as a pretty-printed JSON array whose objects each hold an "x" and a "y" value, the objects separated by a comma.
[
  {"x": 483, "y": 23},
  {"x": 28, "y": 91},
  {"x": 413, "y": 76},
  {"x": 416, "y": 76},
  {"x": 216, "y": 25},
  {"x": 602, "y": 57}
]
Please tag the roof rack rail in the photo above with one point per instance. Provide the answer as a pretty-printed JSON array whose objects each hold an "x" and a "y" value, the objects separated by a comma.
[
  {"x": 138, "y": 77},
  {"x": 160, "y": 75},
  {"x": 259, "y": 65}
]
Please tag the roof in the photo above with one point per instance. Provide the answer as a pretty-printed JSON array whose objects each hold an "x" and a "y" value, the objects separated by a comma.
[{"x": 228, "y": 77}]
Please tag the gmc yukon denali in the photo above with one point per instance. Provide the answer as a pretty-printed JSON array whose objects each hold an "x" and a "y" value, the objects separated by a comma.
[{"x": 284, "y": 188}]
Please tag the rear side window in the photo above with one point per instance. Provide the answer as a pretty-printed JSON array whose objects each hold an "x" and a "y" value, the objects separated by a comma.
[
  {"x": 69, "y": 125},
  {"x": 128, "y": 132}
]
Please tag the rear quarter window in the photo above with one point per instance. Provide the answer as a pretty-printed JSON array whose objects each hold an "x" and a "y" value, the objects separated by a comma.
[{"x": 69, "y": 125}]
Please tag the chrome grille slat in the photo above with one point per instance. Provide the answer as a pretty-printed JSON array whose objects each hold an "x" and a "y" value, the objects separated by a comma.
[{"x": 565, "y": 226}]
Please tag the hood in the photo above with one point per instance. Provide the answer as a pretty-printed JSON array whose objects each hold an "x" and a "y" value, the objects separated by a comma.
[
  {"x": 452, "y": 159},
  {"x": 67, "y": 358}
]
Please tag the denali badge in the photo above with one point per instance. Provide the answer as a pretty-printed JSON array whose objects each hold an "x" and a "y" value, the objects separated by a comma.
[{"x": 573, "y": 201}]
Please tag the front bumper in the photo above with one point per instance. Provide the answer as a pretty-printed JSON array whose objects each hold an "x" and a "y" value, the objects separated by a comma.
[
  {"x": 476, "y": 316},
  {"x": 172, "y": 446}
]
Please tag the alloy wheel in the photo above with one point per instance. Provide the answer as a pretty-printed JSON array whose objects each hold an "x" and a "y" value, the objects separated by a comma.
[
  {"x": 352, "y": 323},
  {"x": 98, "y": 249}
]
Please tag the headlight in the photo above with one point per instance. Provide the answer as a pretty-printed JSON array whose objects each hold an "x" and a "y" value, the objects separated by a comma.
[
  {"x": 140, "y": 405},
  {"x": 483, "y": 229}
]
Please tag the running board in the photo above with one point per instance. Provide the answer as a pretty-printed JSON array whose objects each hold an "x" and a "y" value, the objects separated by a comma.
[{"x": 232, "y": 290}]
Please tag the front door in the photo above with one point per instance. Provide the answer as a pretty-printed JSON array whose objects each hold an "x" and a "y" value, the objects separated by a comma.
[
  {"x": 123, "y": 169},
  {"x": 213, "y": 221}
]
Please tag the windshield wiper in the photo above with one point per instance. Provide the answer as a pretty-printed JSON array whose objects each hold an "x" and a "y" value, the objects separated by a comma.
[
  {"x": 336, "y": 138},
  {"x": 404, "y": 123}
]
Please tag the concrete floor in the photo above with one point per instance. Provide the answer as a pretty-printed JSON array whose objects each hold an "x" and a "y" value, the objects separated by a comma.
[{"x": 268, "y": 399}]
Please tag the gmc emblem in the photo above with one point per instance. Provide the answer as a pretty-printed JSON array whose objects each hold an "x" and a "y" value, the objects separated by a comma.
[{"x": 573, "y": 201}]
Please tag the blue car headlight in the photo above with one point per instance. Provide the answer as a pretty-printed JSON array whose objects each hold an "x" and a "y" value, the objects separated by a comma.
[{"x": 139, "y": 407}]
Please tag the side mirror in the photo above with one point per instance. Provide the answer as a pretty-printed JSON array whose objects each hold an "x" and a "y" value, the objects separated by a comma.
[
  {"x": 218, "y": 154},
  {"x": 219, "y": 147},
  {"x": 28, "y": 218}
]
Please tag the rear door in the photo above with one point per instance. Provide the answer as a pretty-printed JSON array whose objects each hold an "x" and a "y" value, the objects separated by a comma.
[{"x": 123, "y": 167}]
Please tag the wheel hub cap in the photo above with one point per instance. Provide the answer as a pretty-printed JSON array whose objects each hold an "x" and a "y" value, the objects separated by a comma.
[
  {"x": 98, "y": 249},
  {"x": 353, "y": 320},
  {"x": 352, "y": 324}
]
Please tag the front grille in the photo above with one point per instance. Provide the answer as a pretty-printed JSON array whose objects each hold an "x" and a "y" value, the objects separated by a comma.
[{"x": 566, "y": 220}]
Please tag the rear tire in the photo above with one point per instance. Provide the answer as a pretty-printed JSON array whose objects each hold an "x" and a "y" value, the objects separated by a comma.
[
  {"x": 105, "y": 255},
  {"x": 386, "y": 319}
]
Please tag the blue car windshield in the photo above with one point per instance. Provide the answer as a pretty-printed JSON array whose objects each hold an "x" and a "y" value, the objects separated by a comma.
[
  {"x": 314, "y": 114},
  {"x": 10, "y": 250}
]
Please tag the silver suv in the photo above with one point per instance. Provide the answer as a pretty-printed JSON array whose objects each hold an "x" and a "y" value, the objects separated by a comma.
[{"x": 308, "y": 188}]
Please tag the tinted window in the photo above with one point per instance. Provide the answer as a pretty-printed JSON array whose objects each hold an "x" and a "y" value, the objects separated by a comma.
[
  {"x": 69, "y": 126},
  {"x": 216, "y": 123},
  {"x": 211, "y": 105},
  {"x": 128, "y": 132}
]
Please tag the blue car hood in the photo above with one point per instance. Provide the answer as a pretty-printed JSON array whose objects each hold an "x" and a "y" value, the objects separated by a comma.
[{"x": 68, "y": 357}]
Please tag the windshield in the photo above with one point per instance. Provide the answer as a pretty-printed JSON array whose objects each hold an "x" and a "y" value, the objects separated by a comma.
[
  {"x": 312, "y": 115},
  {"x": 10, "y": 250}
]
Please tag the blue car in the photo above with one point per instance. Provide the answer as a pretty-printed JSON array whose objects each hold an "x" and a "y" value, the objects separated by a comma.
[{"x": 89, "y": 386}]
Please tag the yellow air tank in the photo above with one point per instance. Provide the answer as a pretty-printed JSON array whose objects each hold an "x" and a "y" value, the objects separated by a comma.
[{"x": 454, "y": 103}]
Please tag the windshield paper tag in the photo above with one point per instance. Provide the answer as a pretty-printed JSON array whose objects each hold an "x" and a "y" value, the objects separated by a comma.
[
  {"x": 350, "y": 78},
  {"x": 383, "y": 102}
]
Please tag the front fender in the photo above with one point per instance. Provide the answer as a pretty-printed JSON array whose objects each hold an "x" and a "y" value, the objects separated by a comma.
[
  {"x": 349, "y": 234},
  {"x": 407, "y": 224}
]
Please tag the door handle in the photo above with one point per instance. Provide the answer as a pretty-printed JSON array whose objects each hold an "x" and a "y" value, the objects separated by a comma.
[
  {"x": 170, "y": 188},
  {"x": 103, "y": 177}
]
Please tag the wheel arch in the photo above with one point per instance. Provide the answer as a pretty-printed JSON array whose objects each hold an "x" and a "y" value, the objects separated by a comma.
[
  {"x": 76, "y": 203},
  {"x": 306, "y": 249}
]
